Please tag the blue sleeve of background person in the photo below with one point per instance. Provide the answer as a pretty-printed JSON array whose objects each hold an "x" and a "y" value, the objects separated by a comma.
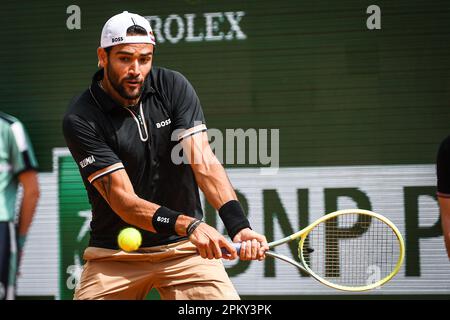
[
  {"x": 21, "y": 155},
  {"x": 87, "y": 145},
  {"x": 443, "y": 168},
  {"x": 186, "y": 108}
]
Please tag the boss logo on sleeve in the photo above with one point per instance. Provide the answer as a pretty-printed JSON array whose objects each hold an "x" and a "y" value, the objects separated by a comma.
[
  {"x": 163, "y": 123},
  {"x": 85, "y": 162}
]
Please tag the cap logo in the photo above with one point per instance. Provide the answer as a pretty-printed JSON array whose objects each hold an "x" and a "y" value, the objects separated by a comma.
[{"x": 118, "y": 39}]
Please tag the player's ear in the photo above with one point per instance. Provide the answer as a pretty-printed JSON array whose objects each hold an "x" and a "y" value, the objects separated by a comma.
[{"x": 102, "y": 57}]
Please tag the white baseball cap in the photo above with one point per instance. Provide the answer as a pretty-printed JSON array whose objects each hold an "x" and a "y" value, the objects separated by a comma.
[{"x": 115, "y": 30}]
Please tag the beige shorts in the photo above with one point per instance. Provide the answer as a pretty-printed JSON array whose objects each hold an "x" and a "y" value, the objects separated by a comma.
[{"x": 176, "y": 270}]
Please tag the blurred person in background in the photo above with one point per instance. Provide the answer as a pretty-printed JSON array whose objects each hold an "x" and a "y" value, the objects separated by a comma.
[{"x": 18, "y": 166}]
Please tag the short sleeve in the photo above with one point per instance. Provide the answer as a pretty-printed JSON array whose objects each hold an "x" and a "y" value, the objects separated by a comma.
[
  {"x": 187, "y": 113},
  {"x": 443, "y": 168},
  {"x": 22, "y": 156},
  {"x": 89, "y": 148}
]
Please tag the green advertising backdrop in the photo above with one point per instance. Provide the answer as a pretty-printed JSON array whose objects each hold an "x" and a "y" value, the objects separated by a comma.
[
  {"x": 74, "y": 216},
  {"x": 310, "y": 68}
]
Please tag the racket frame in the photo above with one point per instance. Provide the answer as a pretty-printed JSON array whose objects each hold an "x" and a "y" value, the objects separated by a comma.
[{"x": 302, "y": 234}]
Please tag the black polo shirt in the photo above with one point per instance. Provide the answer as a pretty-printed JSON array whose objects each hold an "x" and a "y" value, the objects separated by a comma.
[
  {"x": 101, "y": 133},
  {"x": 443, "y": 169}
]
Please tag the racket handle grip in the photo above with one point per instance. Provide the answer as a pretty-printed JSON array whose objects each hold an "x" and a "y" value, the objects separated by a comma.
[{"x": 237, "y": 246}]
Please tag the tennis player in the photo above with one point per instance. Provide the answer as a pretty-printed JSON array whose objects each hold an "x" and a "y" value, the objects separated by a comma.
[
  {"x": 121, "y": 133},
  {"x": 443, "y": 188}
]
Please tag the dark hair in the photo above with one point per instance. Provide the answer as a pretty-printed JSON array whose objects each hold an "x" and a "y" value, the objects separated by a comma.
[{"x": 134, "y": 30}]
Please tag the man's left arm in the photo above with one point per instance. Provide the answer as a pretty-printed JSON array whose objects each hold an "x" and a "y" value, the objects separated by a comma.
[
  {"x": 25, "y": 166},
  {"x": 29, "y": 181},
  {"x": 213, "y": 181}
]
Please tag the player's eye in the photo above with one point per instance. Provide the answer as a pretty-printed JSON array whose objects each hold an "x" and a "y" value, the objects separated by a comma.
[
  {"x": 124, "y": 59},
  {"x": 145, "y": 60}
]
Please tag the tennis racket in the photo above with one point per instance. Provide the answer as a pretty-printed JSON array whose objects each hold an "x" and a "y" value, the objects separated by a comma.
[{"x": 350, "y": 250}]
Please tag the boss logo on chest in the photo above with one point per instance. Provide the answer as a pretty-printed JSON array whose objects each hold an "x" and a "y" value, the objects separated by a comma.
[{"x": 163, "y": 123}]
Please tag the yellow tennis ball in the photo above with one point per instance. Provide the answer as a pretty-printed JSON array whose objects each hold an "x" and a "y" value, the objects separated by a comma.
[{"x": 129, "y": 239}]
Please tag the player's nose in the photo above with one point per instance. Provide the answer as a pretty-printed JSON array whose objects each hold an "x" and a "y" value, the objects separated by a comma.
[{"x": 133, "y": 70}]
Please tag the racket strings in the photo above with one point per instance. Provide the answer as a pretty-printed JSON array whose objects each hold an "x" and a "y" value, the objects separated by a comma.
[{"x": 351, "y": 250}]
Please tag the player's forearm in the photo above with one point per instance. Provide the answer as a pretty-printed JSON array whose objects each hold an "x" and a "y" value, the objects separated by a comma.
[
  {"x": 132, "y": 209},
  {"x": 209, "y": 172},
  {"x": 27, "y": 209},
  {"x": 220, "y": 194},
  {"x": 139, "y": 212},
  {"x": 213, "y": 181}
]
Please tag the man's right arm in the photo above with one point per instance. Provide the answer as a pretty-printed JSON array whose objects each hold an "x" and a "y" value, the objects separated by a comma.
[
  {"x": 444, "y": 205},
  {"x": 105, "y": 171},
  {"x": 443, "y": 188},
  {"x": 118, "y": 192},
  {"x": 107, "y": 174}
]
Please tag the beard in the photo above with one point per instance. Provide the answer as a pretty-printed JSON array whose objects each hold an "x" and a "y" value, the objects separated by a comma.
[{"x": 119, "y": 85}]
